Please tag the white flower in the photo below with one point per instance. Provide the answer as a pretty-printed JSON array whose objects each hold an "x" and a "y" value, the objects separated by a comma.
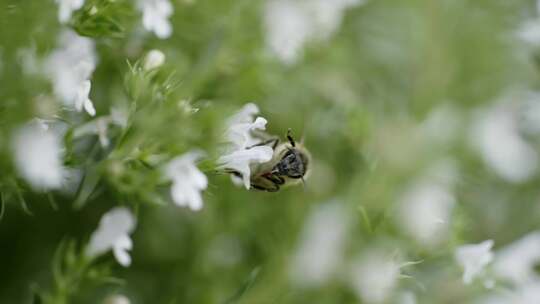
[
  {"x": 287, "y": 29},
  {"x": 529, "y": 32},
  {"x": 321, "y": 245},
  {"x": 116, "y": 299},
  {"x": 155, "y": 17},
  {"x": 154, "y": 59},
  {"x": 187, "y": 180},
  {"x": 38, "y": 156},
  {"x": 243, "y": 155},
  {"x": 241, "y": 134},
  {"x": 245, "y": 115},
  {"x": 66, "y": 8},
  {"x": 497, "y": 138},
  {"x": 473, "y": 258},
  {"x": 406, "y": 297},
  {"x": 516, "y": 262},
  {"x": 113, "y": 233},
  {"x": 242, "y": 125},
  {"x": 82, "y": 100},
  {"x": 424, "y": 212},
  {"x": 527, "y": 293},
  {"x": 290, "y": 24},
  {"x": 374, "y": 276},
  {"x": 70, "y": 68},
  {"x": 529, "y": 113},
  {"x": 242, "y": 160}
]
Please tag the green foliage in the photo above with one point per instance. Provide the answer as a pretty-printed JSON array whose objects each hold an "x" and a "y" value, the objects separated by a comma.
[{"x": 71, "y": 271}]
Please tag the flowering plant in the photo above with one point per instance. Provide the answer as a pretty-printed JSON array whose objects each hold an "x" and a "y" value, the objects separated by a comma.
[{"x": 122, "y": 124}]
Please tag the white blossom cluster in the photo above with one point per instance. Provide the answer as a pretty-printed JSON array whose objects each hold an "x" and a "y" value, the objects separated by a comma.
[
  {"x": 156, "y": 14},
  {"x": 70, "y": 68},
  {"x": 513, "y": 264},
  {"x": 242, "y": 154}
]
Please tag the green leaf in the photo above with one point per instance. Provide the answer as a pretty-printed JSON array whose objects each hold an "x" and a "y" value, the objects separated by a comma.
[
  {"x": 89, "y": 183},
  {"x": 98, "y": 26},
  {"x": 245, "y": 286}
]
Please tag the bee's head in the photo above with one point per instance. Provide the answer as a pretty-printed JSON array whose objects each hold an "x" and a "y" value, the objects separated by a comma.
[{"x": 293, "y": 164}]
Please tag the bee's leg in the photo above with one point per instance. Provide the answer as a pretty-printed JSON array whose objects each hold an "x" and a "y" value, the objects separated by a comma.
[
  {"x": 276, "y": 142},
  {"x": 273, "y": 141},
  {"x": 276, "y": 179},
  {"x": 275, "y": 189},
  {"x": 290, "y": 138}
]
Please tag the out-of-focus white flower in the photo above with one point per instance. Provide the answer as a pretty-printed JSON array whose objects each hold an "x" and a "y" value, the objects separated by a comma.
[
  {"x": 374, "y": 276},
  {"x": 66, "y": 8},
  {"x": 70, "y": 68},
  {"x": 156, "y": 15},
  {"x": 38, "y": 156},
  {"x": 496, "y": 136},
  {"x": 187, "y": 180},
  {"x": 242, "y": 155},
  {"x": 82, "y": 101},
  {"x": 529, "y": 32},
  {"x": 116, "y": 299},
  {"x": 287, "y": 29},
  {"x": 154, "y": 59},
  {"x": 529, "y": 114},
  {"x": 527, "y": 293},
  {"x": 290, "y": 24},
  {"x": 113, "y": 233},
  {"x": 321, "y": 245},
  {"x": 425, "y": 211},
  {"x": 516, "y": 262},
  {"x": 473, "y": 258},
  {"x": 406, "y": 297}
]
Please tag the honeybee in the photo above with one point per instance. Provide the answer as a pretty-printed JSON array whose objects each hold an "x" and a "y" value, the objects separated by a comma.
[{"x": 289, "y": 165}]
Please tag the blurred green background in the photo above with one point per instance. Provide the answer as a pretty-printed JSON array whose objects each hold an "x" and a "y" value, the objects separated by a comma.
[{"x": 394, "y": 91}]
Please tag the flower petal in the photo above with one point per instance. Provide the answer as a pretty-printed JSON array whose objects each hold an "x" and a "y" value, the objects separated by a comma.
[
  {"x": 113, "y": 229},
  {"x": 120, "y": 250},
  {"x": 241, "y": 160},
  {"x": 473, "y": 258}
]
